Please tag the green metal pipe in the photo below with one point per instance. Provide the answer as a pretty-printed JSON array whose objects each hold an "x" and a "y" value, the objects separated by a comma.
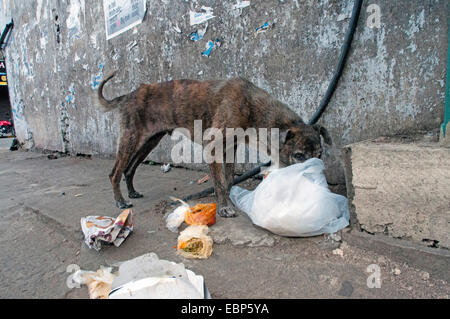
[{"x": 447, "y": 90}]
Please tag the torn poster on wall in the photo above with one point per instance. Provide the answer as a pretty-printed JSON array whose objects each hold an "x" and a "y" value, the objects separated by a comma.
[
  {"x": 3, "y": 80},
  {"x": 122, "y": 15}
]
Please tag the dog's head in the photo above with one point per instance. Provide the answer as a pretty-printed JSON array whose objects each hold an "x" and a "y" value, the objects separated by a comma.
[{"x": 298, "y": 144}]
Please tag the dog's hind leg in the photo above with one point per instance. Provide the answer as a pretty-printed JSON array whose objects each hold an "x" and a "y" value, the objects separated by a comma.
[
  {"x": 125, "y": 152},
  {"x": 137, "y": 159},
  {"x": 130, "y": 171}
]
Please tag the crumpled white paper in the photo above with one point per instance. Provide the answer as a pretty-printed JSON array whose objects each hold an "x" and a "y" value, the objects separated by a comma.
[{"x": 98, "y": 229}]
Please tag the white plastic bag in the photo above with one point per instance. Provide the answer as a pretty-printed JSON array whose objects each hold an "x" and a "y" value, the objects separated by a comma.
[
  {"x": 294, "y": 201},
  {"x": 176, "y": 218},
  {"x": 148, "y": 277}
]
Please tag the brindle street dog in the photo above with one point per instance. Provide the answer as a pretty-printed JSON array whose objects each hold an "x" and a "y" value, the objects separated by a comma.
[{"x": 153, "y": 110}]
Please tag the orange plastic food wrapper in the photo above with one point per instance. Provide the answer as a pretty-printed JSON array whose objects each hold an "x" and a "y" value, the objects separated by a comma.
[{"x": 201, "y": 214}]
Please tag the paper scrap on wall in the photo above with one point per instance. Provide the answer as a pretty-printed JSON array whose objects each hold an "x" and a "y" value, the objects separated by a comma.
[
  {"x": 122, "y": 15},
  {"x": 200, "y": 17},
  {"x": 241, "y": 4}
]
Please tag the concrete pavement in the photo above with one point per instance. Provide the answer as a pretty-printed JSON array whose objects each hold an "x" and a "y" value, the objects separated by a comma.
[{"x": 40, "y": 237}]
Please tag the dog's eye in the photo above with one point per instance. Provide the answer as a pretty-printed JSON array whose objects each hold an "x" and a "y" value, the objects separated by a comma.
[{"x": 299, "y": 156}]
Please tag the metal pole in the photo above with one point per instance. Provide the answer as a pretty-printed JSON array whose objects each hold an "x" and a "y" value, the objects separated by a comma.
[{"x": 447, "y": 91}]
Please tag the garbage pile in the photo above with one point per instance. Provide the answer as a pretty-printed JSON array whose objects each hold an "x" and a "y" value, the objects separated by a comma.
[
  {"x": 146, "y": 276},
  {"x": 292, "y": 201},
  {"x": 193, "y": 242}
]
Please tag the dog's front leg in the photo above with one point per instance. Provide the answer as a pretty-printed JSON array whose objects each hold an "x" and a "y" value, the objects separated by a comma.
[{"x": 222, "y": 175}]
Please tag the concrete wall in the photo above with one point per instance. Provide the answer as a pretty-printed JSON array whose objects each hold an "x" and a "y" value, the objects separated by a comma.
[
  {"x": 406, "y": 194},
  {"x": 394, "y": 81}
]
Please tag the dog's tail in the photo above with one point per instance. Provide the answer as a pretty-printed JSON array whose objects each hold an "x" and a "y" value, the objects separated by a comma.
[{"x": 104, "y": 103}]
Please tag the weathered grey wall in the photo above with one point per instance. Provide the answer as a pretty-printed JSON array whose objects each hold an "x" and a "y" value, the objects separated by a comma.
[{"x": 394, "y": 81}]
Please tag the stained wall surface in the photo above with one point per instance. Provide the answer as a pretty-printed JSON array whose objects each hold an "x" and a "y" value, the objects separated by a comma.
[{"x": 394, "y": 80}]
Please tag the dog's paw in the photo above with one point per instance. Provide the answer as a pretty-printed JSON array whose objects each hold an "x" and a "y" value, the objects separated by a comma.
[
  {"x": 135, "y": 195},
  {"x": 227, "y": 212},
  {"x": 123, "y": 205}
]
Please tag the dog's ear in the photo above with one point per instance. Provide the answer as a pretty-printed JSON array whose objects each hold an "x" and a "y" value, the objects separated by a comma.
[
  {"x": 286, "y": 135},
  {"x": 323, "y": 131}
]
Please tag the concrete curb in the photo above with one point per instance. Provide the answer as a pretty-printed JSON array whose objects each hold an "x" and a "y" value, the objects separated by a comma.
[{"x": 434, "y": 260}]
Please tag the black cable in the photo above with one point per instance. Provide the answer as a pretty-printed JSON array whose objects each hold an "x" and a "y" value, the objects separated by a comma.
[
  {"x": 5, "y": 32},
  {"x": 236, "y": 180},
  {"x": 342, "y": 58}
]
